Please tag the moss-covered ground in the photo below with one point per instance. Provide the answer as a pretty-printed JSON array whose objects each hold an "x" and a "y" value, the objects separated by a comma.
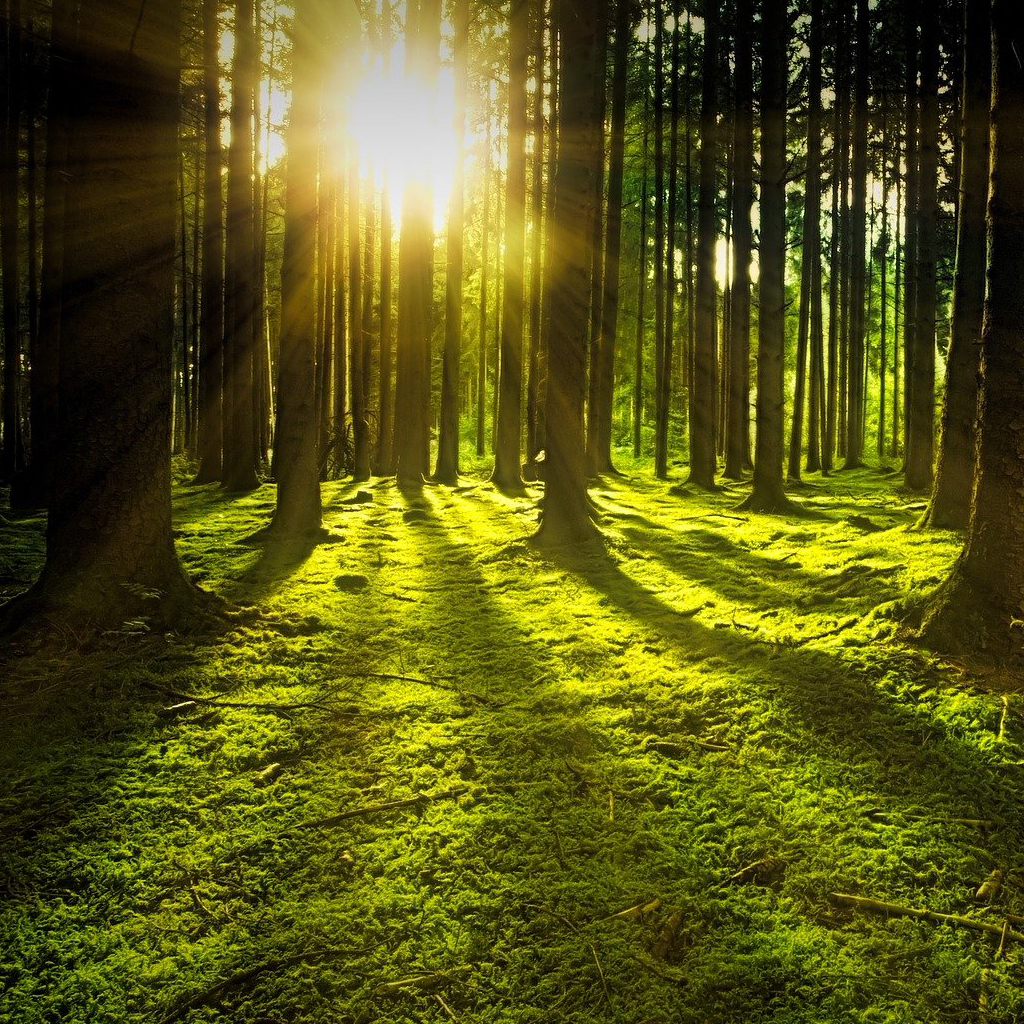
[{"x": 442, "y": 776}]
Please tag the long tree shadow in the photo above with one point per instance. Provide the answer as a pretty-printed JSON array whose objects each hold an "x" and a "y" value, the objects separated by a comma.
[{"x": 845, "y": 716}]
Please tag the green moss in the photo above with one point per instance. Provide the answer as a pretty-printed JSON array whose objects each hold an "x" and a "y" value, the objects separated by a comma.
[{"x": 604, "y": 732}]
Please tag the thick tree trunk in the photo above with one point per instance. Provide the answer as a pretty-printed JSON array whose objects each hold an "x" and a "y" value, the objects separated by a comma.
[
  {"x": 736, "y": 452},
  {"x": 565, "y": 513},
  {"x": 481, "y": 392},
  {"x": 298, "y": 472},
  {"x": 110, "y": 550},
  {"x": 45, "y": 365},
  {"x": 385, "y": 412},
  {"x": 507, "y": 474},
  {"x": 768, "y": 492},
  {"x": 910, "y": 246},
  {"x": 239, "y": 470},
  {"x": 643, "y": 262},
  {"x": 704, "y": 385},
  {"x": 659, "y": 203},
  {"x": 954, "y": 477},
  {"x": 10, "y": 248},
  {"x": 447, "y": 471},
  {"x": 356, "y": 337},
  {"x": 981, "y": 607},
  {"x": 921, "y": 413}
]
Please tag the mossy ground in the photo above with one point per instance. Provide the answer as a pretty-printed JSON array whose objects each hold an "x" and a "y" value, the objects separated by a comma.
[{"x": 591, "y": 734}]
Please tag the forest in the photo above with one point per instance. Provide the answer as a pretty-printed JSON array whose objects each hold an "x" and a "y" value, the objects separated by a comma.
[{"x": 512, "y": 511}]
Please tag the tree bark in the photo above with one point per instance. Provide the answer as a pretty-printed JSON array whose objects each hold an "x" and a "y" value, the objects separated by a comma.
[
  {"x": 954, "y": 477},
  {"x": 921, "y": 413},
  {"x": 298, "y": 510},
  {"x": 704, "y": 385},
  {"x": 981, "y": 607},
  {"x": 565, "y": 512},
  {"x": 507, "y": 475},
  {"x": 768, "y": 494},
  {"x": 110, "y": 549}
]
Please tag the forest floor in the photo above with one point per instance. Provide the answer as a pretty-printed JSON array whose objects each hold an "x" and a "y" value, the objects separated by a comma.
[{"x": 443, "y": 777}]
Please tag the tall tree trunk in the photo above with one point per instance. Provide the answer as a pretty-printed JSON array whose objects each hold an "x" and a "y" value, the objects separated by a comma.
[
  {"x": 643, "y": 263},
  {"x": 613, "y": 238},
  {"x": 565, "y": 512},
  {"x": 385, "y": 414},
  {"x": 45, "y": 364},
  {"x": 298, "y": 510},
  {"x": 533, "y": 446},
  {"x": 356, "y": 336},
  {"x": 239, "y": 473},
  {"x": 659, "y": 202},
  {"x": 736, "y": 452},
  {"x": 447, "y": 470},
  {"x": 10, "y": 254},
  {"x": 834, "y": 275},
  {"x": 954, "y": 477},
  {"x": 883, "y": 340},
  {"x": 911, "y": 225},
  {"x": 508, "y": 441},
  {"x": 768, "y": 493},
  {"x": 416, "y": 250},
  {"x": 597, "y": 239},
  {"x": 663, "y": 397},
  {"x": 921, "y": 413},
  {"x": 981, "y": 606},
  {"x": 859, "y": 270},
  {"x": 110, "y": 549},
  {"x": 704, "y": 385},
  {"x": 481, "y": 393}
]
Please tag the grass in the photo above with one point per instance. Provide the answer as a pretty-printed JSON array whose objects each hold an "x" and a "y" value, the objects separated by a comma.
[{"x": 577, "y": 737}]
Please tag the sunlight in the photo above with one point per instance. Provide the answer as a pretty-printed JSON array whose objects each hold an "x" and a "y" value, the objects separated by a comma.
[{"x": 402, "y": 133}]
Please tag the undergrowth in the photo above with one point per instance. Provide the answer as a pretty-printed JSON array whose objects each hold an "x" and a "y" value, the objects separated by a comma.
[{"x": 441, "y": 776}]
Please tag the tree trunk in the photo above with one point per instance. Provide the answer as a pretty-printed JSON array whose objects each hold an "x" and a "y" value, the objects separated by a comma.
[
  {"x": 298, "y": 472},
  {"x": 565, "y": 513},
  {"x": 768, "y": 492},
  {"x": 10, "y": 254},
  {"x": 643, "y": 263},
  {"x": 663, "y": 398},
  {"x": 704, "y": 386},
  {"x": 239, "y": 471},
  {"x": 356, "y": 337},
  {"x": 981, "y": 606},
  {"x": 858, "y": 228},
  {"x": 447, "y": 471},
  {"x": 507, "y": 475},
  {"x": 613, "y": 238},
  {"x": 954, "y": 477},
  {"x": 736, "y": 453},
  {"x": 921, "y": 413},
  {"x": 110, "y": 550},
  {"x": 481, "y": 393},
  {"x": 415, "y": 271},
  {"x": 659, "y": 205},
  {"x": 910, "y": 246}
]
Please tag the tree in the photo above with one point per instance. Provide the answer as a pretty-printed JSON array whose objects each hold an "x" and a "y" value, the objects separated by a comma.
[
  {"x": 447, "y": 470},
  {"x": 211, "y": 339},
  {"x": 704, "y": 386},
  {"x": 10, "y": 249},
  {"x": 613, "y": 239},
  {"x": 858, "y": 232},
  {"x": 298, "y": 510},
  {"x": 110, "y": 549},
  {"x": 737, "y": 413},
  {"x": 981, "y": 606},
  {"x": 565, "y": 511},
  {"x": 412, "y": 405},
  {"x": 768, "y": 494},
  {"x": 954, "y": 476},
  {"x": 507, "y": 475},
  {"x": 239, "y": 457}
]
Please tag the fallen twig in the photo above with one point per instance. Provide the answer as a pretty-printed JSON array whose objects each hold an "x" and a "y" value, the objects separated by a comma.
[
  {"x": 896, "y": 910},
  {"x": 391, "y": 805}
]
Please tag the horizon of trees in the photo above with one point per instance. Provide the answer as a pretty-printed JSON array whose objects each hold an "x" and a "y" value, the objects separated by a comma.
[{"x": 735, "y": 238}]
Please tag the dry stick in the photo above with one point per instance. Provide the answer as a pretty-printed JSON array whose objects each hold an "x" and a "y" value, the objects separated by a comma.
[
  {"x": 422, "y": 682},
  {"x": 604, "y": 984},
  {"x": 391, "y": 805},
  {"x": 895, "y": 910},
  {"x": 983, "y": 984},
  {"x": 186, "y": 698},
  {"x": 1001, "y": 736}
]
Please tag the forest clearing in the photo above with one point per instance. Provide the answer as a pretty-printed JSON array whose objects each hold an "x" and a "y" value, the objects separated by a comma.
[{"x": 439, "y": 776}]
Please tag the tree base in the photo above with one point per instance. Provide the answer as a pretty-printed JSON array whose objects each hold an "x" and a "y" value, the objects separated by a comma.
[{"x": 770, "y": 504}]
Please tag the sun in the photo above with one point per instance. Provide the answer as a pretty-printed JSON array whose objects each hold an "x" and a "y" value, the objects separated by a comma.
[{"x": 401, "y": 133}]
